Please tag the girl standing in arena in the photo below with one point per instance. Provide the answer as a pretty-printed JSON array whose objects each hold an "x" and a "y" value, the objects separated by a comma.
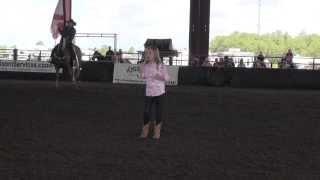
[{"x": 155, "y": 74}]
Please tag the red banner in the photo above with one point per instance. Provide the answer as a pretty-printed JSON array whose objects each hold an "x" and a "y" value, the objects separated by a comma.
[{"x": 61, "y": 15}]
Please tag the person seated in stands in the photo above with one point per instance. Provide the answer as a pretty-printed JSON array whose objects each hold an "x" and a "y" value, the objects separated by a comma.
[
  {"x": 194, "y": 61},
  {"x": 260, "y": 57},
  {"x": 121, "y": 59},
  {"x": 119, "y": 55},
  {"x": 287, "y": 61},
  {"x": 259, "y": 62},
  {"x": 289, "y": 56},
  {"x": 220, "y": 63},
  {"x": 216, "y": 62},
  {"x": 228, "y": 62},
  {"x": 283, "y": 63},
  {"x": 117, "y": 58},
  {"x": 241, "y": 64},
  {"x": 231, "y": 62},
  {"x": 39, "y": 56},
  {"x": 109, "y": 54},
  {"x": 206, "y": 63}
]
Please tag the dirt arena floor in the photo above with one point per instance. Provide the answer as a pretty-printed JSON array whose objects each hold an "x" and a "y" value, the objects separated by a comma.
[{"x": 208, "y": 133}]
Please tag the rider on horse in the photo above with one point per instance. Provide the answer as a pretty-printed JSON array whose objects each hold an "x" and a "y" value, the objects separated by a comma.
[
  {"x": 66, "y": 55},
  {"x": 68, "y": 33}
]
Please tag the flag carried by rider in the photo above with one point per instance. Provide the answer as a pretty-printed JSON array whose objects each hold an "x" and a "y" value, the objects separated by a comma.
[{"x": 61, "y": 15}]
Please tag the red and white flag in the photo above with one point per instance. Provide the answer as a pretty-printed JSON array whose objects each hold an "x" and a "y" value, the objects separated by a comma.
[{"x": 61, "y": 15}]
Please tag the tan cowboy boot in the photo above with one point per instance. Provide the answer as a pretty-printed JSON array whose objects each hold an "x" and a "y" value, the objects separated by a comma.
[
  {"x": 157, "y": 131},
  {"x": 145, "y": 131}
]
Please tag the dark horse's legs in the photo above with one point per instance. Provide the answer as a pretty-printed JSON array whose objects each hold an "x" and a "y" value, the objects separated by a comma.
[
  {"x": 57, "y": 76},
  {"x": 75, "y": 65},
  {"x": 69, "y": 60}
]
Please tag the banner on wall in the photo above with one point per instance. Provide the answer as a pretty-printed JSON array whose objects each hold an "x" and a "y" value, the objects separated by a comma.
[
  {"x": 130, "y": 74},
  {"x": 27, "y": 66}
]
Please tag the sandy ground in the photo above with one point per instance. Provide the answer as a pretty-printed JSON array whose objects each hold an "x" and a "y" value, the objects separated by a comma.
[{"x": 208, "y": 133}]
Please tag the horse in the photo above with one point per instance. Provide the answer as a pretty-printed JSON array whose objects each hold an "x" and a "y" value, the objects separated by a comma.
[
  {"x": 69, "y": 60},
  {"x": 98, "y": 56},
  {"x": 115, "y": 58}
]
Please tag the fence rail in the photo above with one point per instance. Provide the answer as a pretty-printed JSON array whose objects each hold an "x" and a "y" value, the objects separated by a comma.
[{"x": 311, "y": 63}]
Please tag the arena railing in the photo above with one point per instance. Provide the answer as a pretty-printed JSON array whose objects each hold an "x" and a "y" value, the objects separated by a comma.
[
  {"x": 309, "y": 63},
  {"x": 272, "y": 62}
]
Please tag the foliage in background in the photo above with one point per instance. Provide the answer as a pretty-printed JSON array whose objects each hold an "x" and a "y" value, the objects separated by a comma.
[
  {"x": 271, "y": 44},
  {"x": 103, "y": 49},
  {"x": 39, "y": 43},
  {"x": 131, "y": 50},
  {"x": 3, "y": 53},
  {"x": 2, "y": 47}
]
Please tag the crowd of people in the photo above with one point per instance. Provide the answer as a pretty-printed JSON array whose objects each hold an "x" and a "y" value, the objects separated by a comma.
[
  {"x": 110, "y": 56},
  {"x": 259, "y": 62},
  {"x": 68, "y": 34}
]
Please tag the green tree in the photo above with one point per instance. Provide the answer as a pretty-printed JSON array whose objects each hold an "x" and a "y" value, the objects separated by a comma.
[
  {"x": 103, "y": 49},
  {"x": 131, "y": 50},
  {"x": 40, "y": 43},
  {"x": 3, "y": 52},
  {"x": 2, "y": 47},
  {"x": 271, "y": 44}
]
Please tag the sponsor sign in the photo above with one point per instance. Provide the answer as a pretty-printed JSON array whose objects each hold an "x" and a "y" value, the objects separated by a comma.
[
  {"x": 130, "y": 74},
  {"x": 27, "y": 66}
]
